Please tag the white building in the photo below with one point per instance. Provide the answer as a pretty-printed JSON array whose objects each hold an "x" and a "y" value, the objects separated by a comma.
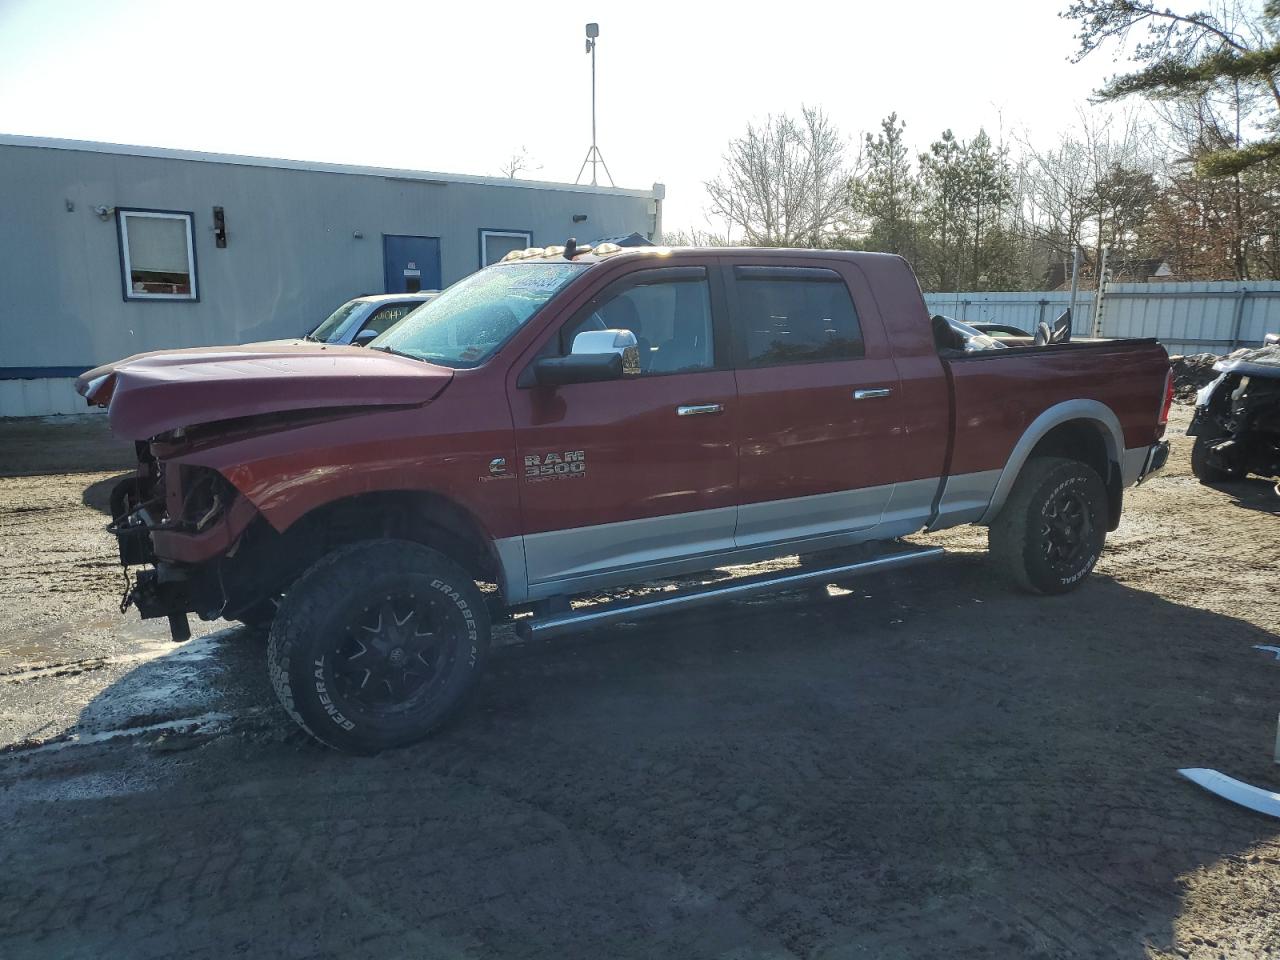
[{"x": 109, "y": 250}]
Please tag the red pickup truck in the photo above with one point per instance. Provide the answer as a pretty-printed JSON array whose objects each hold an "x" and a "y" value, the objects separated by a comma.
[{"x": 572, "y": 419}]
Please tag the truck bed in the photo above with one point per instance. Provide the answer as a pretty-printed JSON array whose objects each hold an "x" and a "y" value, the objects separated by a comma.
[{"x": 997, "y": 397}]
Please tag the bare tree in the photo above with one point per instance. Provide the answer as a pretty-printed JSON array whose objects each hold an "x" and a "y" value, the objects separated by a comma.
[
  {"x": 1215, "y": 227},
  {"x": 694, "y": 238},
  {"x": 1093, "y": 189},
  {"x": 784, "y": 183},
  {"x": 520, "y": 161}
]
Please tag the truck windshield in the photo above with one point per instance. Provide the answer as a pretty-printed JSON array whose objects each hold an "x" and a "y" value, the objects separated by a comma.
[{"x": 469, "y": 321}]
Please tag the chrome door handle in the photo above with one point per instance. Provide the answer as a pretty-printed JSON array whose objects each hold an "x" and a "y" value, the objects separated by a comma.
[
  {"x": 872, "y": 393},
  {"x": 693, "y": 409}
]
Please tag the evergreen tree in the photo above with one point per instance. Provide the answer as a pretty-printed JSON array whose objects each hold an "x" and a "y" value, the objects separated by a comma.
[{"x": 884, "y": 196}]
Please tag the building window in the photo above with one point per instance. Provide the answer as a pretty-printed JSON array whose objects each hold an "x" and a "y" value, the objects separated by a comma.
[
  {"x": 157, "y": 255},
  {"x": 496, "y": 244}
]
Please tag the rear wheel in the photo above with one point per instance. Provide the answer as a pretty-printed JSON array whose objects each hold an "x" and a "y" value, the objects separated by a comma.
[
  {"x": 377, "y": 644},
  {"x": 1050, "y": 532},
  {"x": 1203, "y": 467}
]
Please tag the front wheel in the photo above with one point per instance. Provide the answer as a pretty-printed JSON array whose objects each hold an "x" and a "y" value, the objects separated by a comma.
[
  {"x": 377, "y": 644},
  {"x": 1203, "y": 467},
  {"x": 1050, "y": 532}
]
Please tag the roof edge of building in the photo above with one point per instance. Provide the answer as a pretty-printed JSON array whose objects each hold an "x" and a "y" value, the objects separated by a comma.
[{"x": 656, "y": 192}]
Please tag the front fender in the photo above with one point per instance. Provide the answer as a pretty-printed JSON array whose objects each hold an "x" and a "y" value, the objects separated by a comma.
[{"x": 288, "y": 474}]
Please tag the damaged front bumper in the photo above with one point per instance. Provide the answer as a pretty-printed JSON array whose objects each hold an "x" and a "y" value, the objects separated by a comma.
[
  {"x": 158, "y": 593},
  {"x": 182, "y": 540}
]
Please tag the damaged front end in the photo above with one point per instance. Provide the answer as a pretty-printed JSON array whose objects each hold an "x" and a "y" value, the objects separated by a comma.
[
  {"x": 174, "y": 518},
  {"x": 211, "y": 416},
  {"x": 1237, "y": 416}
]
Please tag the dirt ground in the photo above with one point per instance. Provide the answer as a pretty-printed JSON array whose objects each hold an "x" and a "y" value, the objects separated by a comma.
[{"x": 919, "y": 765}]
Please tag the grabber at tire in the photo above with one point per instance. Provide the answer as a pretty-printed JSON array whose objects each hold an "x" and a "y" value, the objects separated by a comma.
[
  {"x": 1050, "y": 532},
  {"x": 377, "y": 644}
]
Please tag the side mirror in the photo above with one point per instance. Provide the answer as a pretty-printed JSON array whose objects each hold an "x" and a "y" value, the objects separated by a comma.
[
  {"x": 577, "y": 368},
  {"x": 364, "y": 337},
  {"x": 596, "y": 355},
  {"x": 621, "y": 342}
]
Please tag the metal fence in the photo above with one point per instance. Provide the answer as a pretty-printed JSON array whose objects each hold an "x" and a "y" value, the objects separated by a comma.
[
  {"x": 1185, "y": 317},
  {"x": 1023, "y": 310}
]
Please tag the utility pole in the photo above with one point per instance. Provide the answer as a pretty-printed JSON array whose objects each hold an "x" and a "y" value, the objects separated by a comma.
[{"x": 594, "y": 156}]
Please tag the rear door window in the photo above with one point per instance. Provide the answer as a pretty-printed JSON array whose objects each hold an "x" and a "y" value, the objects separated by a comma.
[{"x": 788, "y": 315}]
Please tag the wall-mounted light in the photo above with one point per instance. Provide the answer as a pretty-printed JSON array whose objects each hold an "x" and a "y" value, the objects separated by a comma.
[
  {"x": 357, "y": 234},
  {"x": 579, "y": 218},
  {"x": 71, "y": 205},
  {"x": 104, "y": 213},
  {"x": 219, "y": 228}
]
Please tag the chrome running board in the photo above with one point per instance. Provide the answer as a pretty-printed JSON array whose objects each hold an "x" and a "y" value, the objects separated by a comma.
[{"x": 540, "y": 628}]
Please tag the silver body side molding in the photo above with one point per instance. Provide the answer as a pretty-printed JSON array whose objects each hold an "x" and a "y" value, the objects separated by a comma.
[
  {"x": 580, "y": 559},
  {"x": 812, "y": 516},
  {"x": 513, "y": 577},
  {"x": 581, "y": 551},
  {"x": 522, "y": 591},
  {"x": 965, "y": 498}
]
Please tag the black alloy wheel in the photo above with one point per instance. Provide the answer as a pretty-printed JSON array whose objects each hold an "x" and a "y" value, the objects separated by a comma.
[
  {"x": 394, "y": 654},
  {"x": 1051, "y": 530},
  {"x": 377, "y": 644},
  {"x": 1066, "y": 529}
]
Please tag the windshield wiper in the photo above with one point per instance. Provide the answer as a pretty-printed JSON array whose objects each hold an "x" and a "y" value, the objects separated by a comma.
[
  {"x": 311, "y": 337},
  {"x": 398, "y": 353}
]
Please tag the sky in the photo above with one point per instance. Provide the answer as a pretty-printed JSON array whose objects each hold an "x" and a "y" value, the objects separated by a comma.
[{"x": 462, "y": 87}]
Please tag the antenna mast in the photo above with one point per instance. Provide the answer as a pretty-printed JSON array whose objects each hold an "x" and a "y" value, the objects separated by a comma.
[{"x": 594, "y": 156}]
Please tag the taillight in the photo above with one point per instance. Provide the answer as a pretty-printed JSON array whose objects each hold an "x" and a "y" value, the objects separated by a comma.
[{"x": 1167, "y": 405}]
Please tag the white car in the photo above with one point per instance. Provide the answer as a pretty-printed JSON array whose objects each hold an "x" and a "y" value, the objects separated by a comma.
[{"x": 360, "y": 320}]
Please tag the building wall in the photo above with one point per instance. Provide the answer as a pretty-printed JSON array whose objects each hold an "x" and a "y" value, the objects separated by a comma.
[{"x": 292, "y": 253}]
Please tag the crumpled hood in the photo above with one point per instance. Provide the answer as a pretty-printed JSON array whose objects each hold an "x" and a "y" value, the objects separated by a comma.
[
  {"x": 1261, "y": 361},
  {"x": 151, "y": 393}
]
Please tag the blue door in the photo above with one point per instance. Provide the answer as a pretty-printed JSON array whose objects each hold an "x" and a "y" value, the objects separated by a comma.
[{"x": 411, "y": 263}]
